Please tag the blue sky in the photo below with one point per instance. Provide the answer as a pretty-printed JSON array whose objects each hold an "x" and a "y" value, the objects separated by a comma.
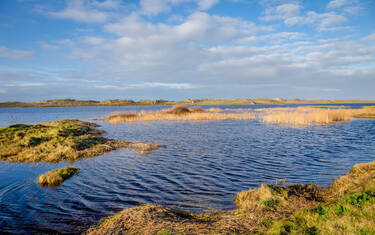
[{"x": 178, "y": 49}]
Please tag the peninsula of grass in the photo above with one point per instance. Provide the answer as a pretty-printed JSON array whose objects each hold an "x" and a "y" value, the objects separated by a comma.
[
  {"x": 57, "y": 177},
  {"x": 177, "y": 113},
  {"x": 66, "y": 140},
  {"x": 347, "y": 206}
]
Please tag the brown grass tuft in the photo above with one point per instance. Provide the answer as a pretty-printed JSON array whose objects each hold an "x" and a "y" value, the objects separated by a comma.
[{"x": 57, "y": 177}]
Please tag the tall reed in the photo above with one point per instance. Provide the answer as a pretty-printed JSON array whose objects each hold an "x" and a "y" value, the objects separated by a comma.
[{"x": 309, "y": 115}]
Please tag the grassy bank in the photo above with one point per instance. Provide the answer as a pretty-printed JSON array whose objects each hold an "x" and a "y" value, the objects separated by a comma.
[
  {"x": 74, "y": 103},
  {"x": 177, "y": 113},
  {"x": 345, "y": 207},
  {"x": 55, "y": 141},
  {"x": 57, "y": 177}
]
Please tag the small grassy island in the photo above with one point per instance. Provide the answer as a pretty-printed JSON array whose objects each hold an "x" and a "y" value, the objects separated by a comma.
[
  {"x": 57, "y": 177},
  {"x": 345, "y": 207},
  {"x": 177, "y": 113},
  {"x": 66, "y": 140}
]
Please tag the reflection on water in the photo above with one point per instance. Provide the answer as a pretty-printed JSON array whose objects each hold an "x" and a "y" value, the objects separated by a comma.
[{"x": 203, "y": 166}]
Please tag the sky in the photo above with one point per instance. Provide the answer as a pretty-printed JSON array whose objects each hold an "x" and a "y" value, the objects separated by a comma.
[{"x": 179, "y": 49}]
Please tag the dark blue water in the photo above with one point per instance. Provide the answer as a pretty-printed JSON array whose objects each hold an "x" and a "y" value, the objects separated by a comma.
[{"x": 202, "y": 167}]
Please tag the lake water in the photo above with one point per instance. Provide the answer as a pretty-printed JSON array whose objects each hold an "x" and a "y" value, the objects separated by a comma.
[{"x": 201, "y": 169}]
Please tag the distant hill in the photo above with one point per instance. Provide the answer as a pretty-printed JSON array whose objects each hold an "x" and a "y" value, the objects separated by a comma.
[{"x": 117, "y": 102}]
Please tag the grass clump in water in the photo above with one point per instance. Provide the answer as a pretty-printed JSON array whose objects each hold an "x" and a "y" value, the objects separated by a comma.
[
  {"x": 57, "y": 177},
  {"x": 66, "y": 140}
]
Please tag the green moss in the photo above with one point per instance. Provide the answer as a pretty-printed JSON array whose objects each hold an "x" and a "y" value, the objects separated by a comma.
[
  {"x": 271, "y": 204},
  {"x": 358, "y": 199},
  {"x": 87, "y": 142},
  {"x": 352, "y": 214},
  {"x": 165, "y": 232}
]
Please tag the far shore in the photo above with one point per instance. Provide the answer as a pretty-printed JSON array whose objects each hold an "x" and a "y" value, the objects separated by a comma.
[{"x": 117, "y": 102}]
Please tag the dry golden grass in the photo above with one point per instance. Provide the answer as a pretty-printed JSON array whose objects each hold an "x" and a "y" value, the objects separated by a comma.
[
  {"x": 66, "y": 140},
  {"x": 57, "y": 177},
  {"x": 177, "y": 113},
  {"x": 264, "y": 211},
  {"x": 303, "y": 116}
]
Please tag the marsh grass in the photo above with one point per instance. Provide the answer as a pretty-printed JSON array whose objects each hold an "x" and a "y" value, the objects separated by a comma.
[
  {"x": 347, "y": 206},
  {"x": 176, "y": 113},
  {"x": 303, "y": 116},
  {"x": 66, "y": 140},
  {"x": 57, "y": 177}
]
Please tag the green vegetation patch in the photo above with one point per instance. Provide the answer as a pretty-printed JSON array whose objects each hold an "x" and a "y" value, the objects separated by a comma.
[
  {"x": 57, "y": 177},
  {"x": 66, "y": 140},
  {"x": 352, "y": 214},
  {"x": 271, "y": 204}
]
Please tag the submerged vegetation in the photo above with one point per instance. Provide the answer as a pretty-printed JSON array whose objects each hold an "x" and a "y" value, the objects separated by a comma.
[
  {"x": 345, "y": 207},
  {"x": 302, "y": 116},
  {"x": 57, "y": 177},
  {"x": 176, "y": 113},
  {"x": 55, "y": 141}
]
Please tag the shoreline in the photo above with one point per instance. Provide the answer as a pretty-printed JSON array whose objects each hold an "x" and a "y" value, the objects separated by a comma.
[
  {"x": 269, "y": 209},
  {"x": 258, "y": 101}
]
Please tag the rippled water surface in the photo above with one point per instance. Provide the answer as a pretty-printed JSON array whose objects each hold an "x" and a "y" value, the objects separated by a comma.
[{"x": 201, "y": 169}]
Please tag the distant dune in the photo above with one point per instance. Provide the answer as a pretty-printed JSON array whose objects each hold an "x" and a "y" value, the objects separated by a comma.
[{"x": 74, "y": 103}]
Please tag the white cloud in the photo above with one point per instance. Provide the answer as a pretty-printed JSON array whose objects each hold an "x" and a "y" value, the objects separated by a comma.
[
  {"x": 14, "y": 54},
  {"x": 288, "y": 10},
  {"x": 370, "y": 37},
  {"x": 281, "y": 12},
  {"x": 107, "y": 4},
  {"x": 273, "y": 38},
  {"x": 155, "y": 7},
  {"x": 339, "y": 3},
  {"x": 27, "y": 84},
  {"x": 83, "y": 11},
  {"x": 56, "y": 44},
  {"x": 148, "y": 85},
  {"x": 207, "y": 4},
  {"x": 93, "y": 40},
  {"x": 2, "y": 91},
  {"x": 198, "y": 27},
  {"x": 331, "y": 19},
  {"x": 291, "y": 15},
  {"x": 348, "y": 7}
]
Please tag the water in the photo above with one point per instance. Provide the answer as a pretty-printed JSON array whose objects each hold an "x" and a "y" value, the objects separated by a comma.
[{"x": 201, "y": 169}]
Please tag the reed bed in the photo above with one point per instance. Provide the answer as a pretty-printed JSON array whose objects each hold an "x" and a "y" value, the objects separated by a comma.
[
  {"x": 177, "y": 113},
  {"x": 302, "y": 116}
]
